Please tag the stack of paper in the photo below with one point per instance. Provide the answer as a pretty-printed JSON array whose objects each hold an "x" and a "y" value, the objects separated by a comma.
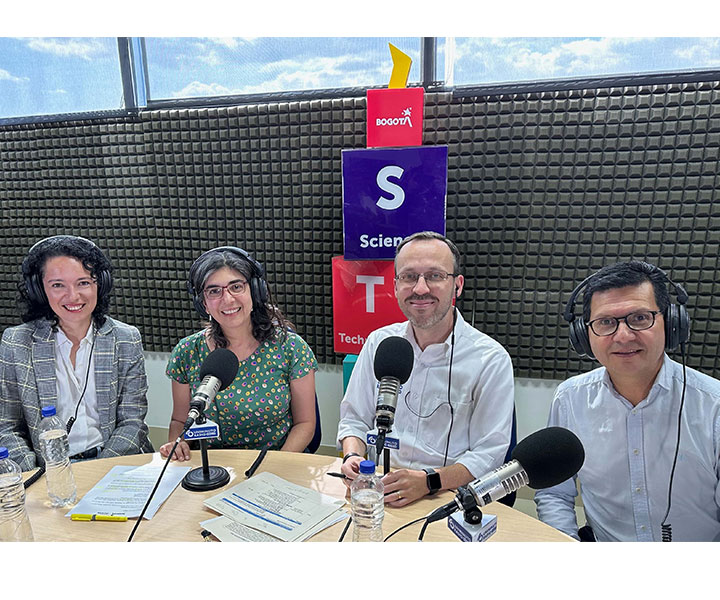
[
  {"x": 124, "y": 491},
  {"x": 268, "y": 508}
]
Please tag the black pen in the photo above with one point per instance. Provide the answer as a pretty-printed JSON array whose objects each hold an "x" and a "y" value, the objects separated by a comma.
[
  {"x": 340, "y": 475},
  {"x": 251, "y": 471}
]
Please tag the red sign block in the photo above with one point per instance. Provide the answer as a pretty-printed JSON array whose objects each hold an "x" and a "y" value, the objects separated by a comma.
[
  {"x": 363, "y": 300},
  {"x": 395, "y": 117}
]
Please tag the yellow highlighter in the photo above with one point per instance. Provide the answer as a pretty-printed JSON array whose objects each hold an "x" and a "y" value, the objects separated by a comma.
[{"x": 97, "y": 518}]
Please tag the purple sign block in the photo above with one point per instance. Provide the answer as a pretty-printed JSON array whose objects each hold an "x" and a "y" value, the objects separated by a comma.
[{"x": 389, "y": 194}]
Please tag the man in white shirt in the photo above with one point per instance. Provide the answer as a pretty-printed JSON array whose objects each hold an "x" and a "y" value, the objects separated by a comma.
[
  {"x": 447, "y": 438},
  {"x": 627, "y": 413}
]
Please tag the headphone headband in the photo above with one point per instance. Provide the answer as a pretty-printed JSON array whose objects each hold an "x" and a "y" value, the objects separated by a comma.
[
  {"x": 33, "y": 280},
  {"x": 677, "y": 320},
  {"x": 257, "y": 282}
]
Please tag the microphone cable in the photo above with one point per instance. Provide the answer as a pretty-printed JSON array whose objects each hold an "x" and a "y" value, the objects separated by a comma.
[
  {"x": 452, "y": 411},
  {"x": 157, "y": 483},
  {"x": 667, "y": 527},
  {"x": 399, "y": 529},
  {"x": 35, "y": 476},
  {"x": 71, "y": 420},
  {"x": 344, "y": 531}
]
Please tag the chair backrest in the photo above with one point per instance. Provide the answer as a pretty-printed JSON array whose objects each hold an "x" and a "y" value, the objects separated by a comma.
[{"x": 315, "y": 441}]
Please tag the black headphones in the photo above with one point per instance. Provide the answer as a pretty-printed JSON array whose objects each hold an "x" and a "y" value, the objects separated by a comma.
[
  {"x": 677, "y": 320},
  {"x": 33, "y": 280},
  {"x": 258, "y": 285}
]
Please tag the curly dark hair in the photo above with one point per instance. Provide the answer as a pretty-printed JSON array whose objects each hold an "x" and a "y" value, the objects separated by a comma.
[
  {"x": 268, "y": 321},
  {"x": 35, "y": 305}
]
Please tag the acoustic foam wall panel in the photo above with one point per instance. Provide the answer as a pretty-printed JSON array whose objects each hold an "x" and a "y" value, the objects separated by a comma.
[{"x": 543, "y": 189}]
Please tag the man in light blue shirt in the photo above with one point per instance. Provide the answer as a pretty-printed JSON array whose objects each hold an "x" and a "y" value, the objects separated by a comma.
[{"x": 626, "y": 414}]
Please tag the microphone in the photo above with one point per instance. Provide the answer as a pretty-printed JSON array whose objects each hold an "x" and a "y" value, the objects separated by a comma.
[
  {"x": 393, "y": 364},
  {"x": 217, "y": 372},
  {"x": 543, "y": 459}
]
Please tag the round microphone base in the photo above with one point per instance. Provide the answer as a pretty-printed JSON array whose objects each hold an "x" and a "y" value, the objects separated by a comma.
[{"x": 197, "y": 481}]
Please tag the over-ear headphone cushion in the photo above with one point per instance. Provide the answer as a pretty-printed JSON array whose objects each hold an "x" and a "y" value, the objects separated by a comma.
[
  {"x": 33, "y": 281},
  {"x": 677, "y": 326},
  {"x": 579, "y": 339}
]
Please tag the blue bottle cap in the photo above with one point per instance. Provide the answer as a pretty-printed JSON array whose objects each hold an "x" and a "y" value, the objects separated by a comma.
[
  {"x": 4, "y": 452},
  {"x": 367, "y": 467},
  {"x": 48, "y": 411}
]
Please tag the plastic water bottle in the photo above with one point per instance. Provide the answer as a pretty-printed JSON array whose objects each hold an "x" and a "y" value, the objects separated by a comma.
[
  {"x": 14, "y": 522},
  {"x": 56, "y": 453},
  {"x": 367, "y": 499}
]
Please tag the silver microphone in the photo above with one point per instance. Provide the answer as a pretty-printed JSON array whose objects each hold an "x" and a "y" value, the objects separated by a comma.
[
  {"x": 543, "y": 459},
  {"x": 217, "y": 372},
  {"x": 499, "y": 483},
  {"x": 203, "y": 396}
]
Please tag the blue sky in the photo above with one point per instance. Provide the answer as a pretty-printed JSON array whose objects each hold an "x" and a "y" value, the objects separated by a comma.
[
  {"x": 60, "y": 57},
  {"x": 51, "y": 74}
]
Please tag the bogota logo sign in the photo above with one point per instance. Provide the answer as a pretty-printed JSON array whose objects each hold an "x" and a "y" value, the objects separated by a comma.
[
  {"x": 394, "y": 117},
  {"x": 403, "y": 120}
]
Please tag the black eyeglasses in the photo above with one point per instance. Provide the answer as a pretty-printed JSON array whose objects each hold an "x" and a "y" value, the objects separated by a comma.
[
  {"x": 410, "y": 279},
  {"x": 637, "y": 321},
  {"x": 215, "y": 292}
]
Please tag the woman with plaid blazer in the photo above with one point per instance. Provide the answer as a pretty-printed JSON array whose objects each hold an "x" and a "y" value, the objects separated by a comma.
[{"x": 68, "y": 353}]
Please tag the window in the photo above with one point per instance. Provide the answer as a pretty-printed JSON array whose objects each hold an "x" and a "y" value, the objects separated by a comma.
[
  {"x": 41, "y": 76},
  {"x": 499, "y": 60},
  {"x": 200, "y": 67}
]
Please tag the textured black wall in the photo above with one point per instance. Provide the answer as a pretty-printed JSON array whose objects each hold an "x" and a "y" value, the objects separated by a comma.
[{"x": 543, "y": 188}]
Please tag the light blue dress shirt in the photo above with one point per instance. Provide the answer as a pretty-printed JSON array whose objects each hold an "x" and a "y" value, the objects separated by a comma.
[{"x": 628, "y": 458}]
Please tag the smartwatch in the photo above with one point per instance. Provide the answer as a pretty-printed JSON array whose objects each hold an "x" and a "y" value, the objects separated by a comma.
[{"x": 433, "y": 481}]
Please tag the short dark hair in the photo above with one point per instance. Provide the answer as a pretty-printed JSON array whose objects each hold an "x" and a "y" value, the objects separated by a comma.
[
  {"x": 624, "y": 274},
  {"x": 433, "y": 235},
  {"x": 266, "y": 318},
  {"x": 33, "y": 266}
]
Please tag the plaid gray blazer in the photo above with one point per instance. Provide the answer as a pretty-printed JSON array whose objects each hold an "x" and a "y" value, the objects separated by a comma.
[{"x": 27, "y": 383}]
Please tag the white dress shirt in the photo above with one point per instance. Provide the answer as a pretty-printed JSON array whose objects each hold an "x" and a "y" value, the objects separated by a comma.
[
  {"x": 85, "y": 433},
  {"x": 628, "y": 458},
  {"x": 481, "y": 396}
]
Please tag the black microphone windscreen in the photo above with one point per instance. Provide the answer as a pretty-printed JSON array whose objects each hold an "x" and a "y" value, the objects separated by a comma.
[
  {"x": 549, "y": 456},
  {"x": 394, "y": 358},
  {"x": 220, "y": 363}
]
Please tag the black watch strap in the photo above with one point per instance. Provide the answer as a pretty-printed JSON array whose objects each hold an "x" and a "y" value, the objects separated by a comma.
[
  {"x": 433, "y": 481},
  {"x": 349, "y": 454}
]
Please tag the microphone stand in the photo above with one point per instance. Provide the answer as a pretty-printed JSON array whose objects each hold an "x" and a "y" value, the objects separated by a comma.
[
  {"x": 383, "y": 430},
  {"x": 471, "y": 511},
  {"x": 205, "y": 478}
]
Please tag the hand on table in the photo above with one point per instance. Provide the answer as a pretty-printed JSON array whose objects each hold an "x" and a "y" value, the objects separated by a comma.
[
  {"x": 404, "y": 486},
  {"x": 351, "y": 468},
  {"x": 182, "y": 452}
]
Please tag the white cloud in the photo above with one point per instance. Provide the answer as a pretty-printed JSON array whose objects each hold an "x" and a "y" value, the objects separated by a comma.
[
  {"x": 539, "y": 57},
  {"x": 298, "y": 74},
  {"x": 230, "y": 43},
  {"x": 85, "y": 48},
  {"x": 702, "y": 54},
  {"x": 318, "y": 64},
  {"x": 212, "y": 58},
  {"x": 6, "y": 76},
  {"x": 198, "y": 89}
]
